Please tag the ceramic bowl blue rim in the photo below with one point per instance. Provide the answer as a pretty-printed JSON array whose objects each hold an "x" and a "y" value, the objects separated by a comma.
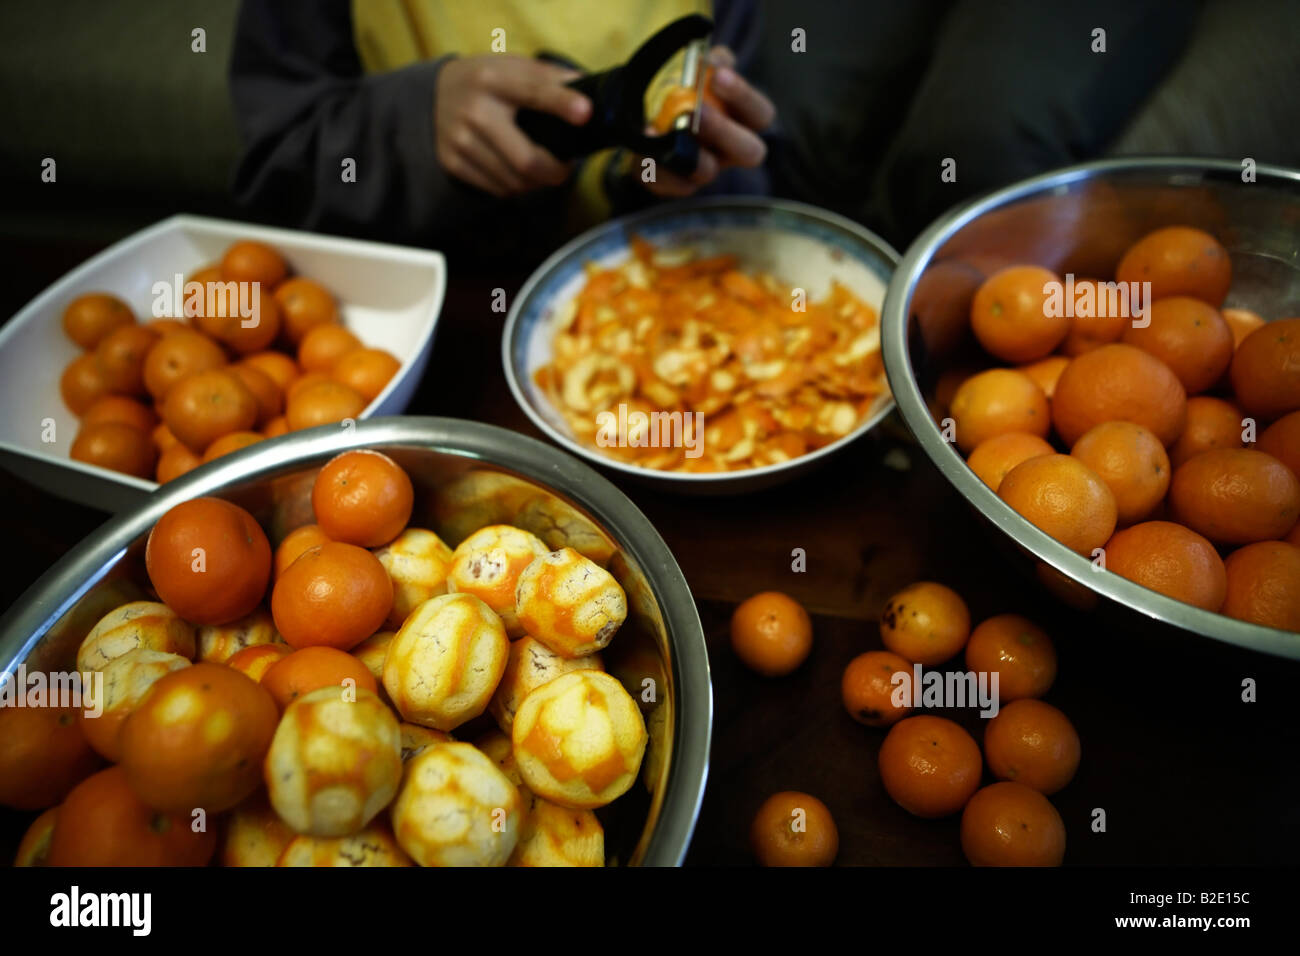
[{"x": 537, "y": 298}]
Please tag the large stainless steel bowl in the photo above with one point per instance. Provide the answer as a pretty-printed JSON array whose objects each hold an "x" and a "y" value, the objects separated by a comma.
[
  {"x": 1080, "y": 220},
  {"x": 466, "y": 475}
]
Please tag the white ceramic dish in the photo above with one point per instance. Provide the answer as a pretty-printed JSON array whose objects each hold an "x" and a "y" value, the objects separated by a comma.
[
  {"x": 799, "y": 244},
  {"x": 390, "y": 296}
]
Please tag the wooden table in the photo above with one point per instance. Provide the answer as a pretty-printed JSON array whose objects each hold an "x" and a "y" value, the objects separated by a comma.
[{"x": 1186, "y": 772}]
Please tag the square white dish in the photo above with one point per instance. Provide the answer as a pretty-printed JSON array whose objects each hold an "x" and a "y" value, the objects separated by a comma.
[{"x": 390, "y": 296}]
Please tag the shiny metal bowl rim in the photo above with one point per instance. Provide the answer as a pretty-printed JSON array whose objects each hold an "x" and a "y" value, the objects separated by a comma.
[
  {"x": 629, "y": 223},
  {"x": 58, "y": 590},
  {"x": 916, "y": 414}
]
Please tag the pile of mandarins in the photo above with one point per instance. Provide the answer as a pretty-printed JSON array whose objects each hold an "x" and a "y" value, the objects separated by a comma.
[
  {"x": 1176, "y": 450},
  {"x": 157, "y": 399},
  {"x": 929, "y": 765},
  {"x": 295, "y": 705}
]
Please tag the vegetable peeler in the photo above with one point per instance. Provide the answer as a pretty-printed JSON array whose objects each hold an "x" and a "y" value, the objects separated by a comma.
[{"x": 618, "y": 102}]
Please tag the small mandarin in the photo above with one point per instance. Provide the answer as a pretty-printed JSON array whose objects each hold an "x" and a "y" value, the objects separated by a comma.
[
  {"x": 867, "y": 688},
  {"x": 794, "y": 829},
  {"x": 1018, "y": 651},
  {"x": 1009, "y": 824},
  {"x": 771, "y": 633},
  {"x": 1032, "y": 743},
  {"x": 925, "y": 622},
  {"x": 930, "y": 766}
]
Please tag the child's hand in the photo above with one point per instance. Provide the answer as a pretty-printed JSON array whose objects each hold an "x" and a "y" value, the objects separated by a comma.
[
  {"x": 727, "y": 138},
  {"x": 474, "y": 121}
]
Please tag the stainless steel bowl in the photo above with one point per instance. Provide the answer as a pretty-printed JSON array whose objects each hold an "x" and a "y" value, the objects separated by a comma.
[
  {"x": 1080, "y": 220},
  {"x": 466, "y": 475}
]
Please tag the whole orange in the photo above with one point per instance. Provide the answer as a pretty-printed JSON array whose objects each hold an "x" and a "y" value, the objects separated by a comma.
[
  {"x": 305, "y": 304},
  {"x": 1211, "y": 423},
  {"x": 1236, "y": 496},
  {"x": 794, "y": 829},
  {"x": 335, "y": 594},
  {"x": 1119, "y": 382},
  {"x": 1018, "y": 651},
  {"x": 323, "y": 345},
  {"x": 1171, "y": 559},
  {"x": 771, "y": 633},
  {"x": 367, "y": 371},
  {"x": 204, "y": 406},
  {"x": 1189, "y": 336},
  {"x": 209, "y": 561},
  {"x": 1064, "y": 497},
  {"x": 925, "y": 622},
  {"x": 251, "y": 261},
  {"x": 1010, "y": 314},
  {"x": 1009, "y": 824},
  {"x": 1264, "y": 585},
  {"x": 1131, "y": 461},
  {"x": 1032, "y": 743},
  {"x": 930, "y": 766},
  {"x": 362, "y": 497},
  {"x": 89, "y": 318},
  {"x": 121, "y": 356},
  {"x": 115, "y": 446},
  {"x": 103, "y": 823},
  {"x": 995, "y": 402},
  {"x": 321, "y": 402},
  {"x": 1266, "y": 370},
  {"x": 1179, "y": 260},
  {"x": 82, "y": 384},
  {"x": 177, "y": 356},
  {"x": 867, "y": 688},
  {"x": 43, "y": 755}
]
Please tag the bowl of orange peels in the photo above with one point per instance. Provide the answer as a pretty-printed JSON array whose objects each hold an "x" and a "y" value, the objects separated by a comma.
[
  {"x": 466, "y": 481},
  {"x": 1104, "y": 360},
  {"x": 711, "y": 346}
]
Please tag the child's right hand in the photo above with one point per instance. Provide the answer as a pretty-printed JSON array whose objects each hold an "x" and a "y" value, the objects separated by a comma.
[{"x": 477, "y": 139}]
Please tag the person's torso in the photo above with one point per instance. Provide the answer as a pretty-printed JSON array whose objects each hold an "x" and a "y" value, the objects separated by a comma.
[{"x": 595, "y": 34}]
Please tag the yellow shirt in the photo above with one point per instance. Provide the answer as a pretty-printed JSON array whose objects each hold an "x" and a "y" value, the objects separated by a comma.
[{"x": 595, "y": 34}]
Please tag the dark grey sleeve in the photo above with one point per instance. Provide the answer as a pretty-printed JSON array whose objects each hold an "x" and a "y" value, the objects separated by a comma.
[{"x": 305, "y": 107}]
